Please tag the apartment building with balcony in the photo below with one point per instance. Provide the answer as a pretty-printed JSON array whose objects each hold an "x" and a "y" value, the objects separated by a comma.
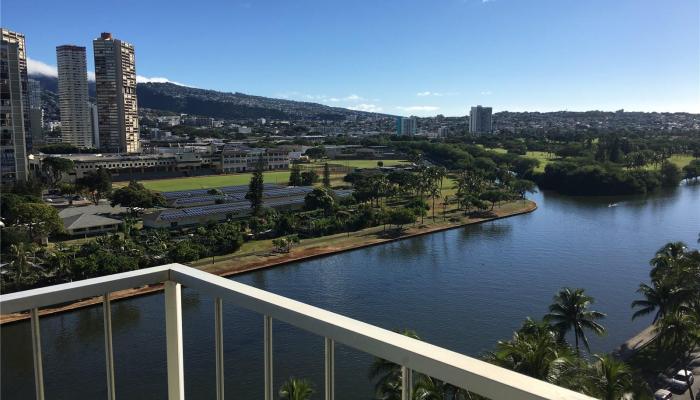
[
  {"x": 115, "y": 83},
  {"x": 14, "y": 107},
  {"x": 74, "y": 103}
]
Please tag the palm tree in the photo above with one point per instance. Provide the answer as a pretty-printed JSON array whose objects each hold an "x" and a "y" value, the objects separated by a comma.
[
  {"x": 296, "y": 389},
  {"x": 388, "y": 374},
  {"x": 662, "y": 298},
  {"x": 665, "y": 258},
  {"x": 428, "y": 388},
  {"x": 678, "y": 330},
  {"x": 570, "y": 312},
  {"x": 434, "y": 192},
  {"x": 20, "y": 254},
  {"x": 609, "y": 378},
  {"x": 535, "y": 351},
  {"x": 445, "y": 202},
  {"x": 60, "y": 262}
]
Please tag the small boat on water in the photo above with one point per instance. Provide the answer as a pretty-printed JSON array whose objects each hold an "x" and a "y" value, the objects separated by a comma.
[{"x": 612, "y": 205}]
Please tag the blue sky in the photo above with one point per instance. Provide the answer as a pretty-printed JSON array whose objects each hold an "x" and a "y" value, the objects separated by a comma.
[{"x": 420, "y": 57}]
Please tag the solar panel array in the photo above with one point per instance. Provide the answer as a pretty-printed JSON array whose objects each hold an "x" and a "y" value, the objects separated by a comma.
[
  {"x": 203, "y": 192},
  {"x": 225, "y": 209},
  {"x": 286, "y": 197},
  {"x": 230, "y": 197}
]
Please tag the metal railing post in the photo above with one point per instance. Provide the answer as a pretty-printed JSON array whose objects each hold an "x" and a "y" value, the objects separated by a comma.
[
  {"x": 36, "y": 351},
  {"x": 173, "y": 335},
  {"x": 406, "y": 383},
  {"x": 330, "y": 369},
  {"x": 109, "y": 351},
  {"x": 219, "y": 338},
  {"x": 267, "y": 337}
]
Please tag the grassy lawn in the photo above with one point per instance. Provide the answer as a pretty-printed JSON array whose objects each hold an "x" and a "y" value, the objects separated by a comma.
[
  {"x": 280, "y": 177},
  {"x": 209, "y": 181},
  {"x": 543, "y": 157},
  {"x": 681, "y": 160}
]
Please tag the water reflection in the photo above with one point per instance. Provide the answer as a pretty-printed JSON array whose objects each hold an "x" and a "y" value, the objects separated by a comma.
[{"x": 492, "y": 230}]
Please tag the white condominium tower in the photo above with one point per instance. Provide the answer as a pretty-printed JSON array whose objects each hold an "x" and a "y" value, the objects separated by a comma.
[
  {"x": 480, "y": 120},
  {"x": 14, "y": 107},
  {"x": 115, "y": 78},
  {"x": 73, "y": 96}
]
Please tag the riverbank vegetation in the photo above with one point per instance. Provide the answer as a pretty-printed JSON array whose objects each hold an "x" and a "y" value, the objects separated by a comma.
[
  {"x": 542, "y": 348},
  {"x": 391, "y": 198},
  {"x": 607, "y": 164},
  {"x": 673, "y": 298}
]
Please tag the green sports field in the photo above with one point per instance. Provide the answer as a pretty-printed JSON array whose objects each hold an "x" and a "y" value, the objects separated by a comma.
[{"x": 210, "y": 181}]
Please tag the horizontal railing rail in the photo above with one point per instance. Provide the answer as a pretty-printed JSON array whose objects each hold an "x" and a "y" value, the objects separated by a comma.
[
  {"x": 78, "y": 290},
  {"x": 413, "y": 355}
]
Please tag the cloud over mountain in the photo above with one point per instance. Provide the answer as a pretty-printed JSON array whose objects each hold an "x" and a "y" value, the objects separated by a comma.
[{"x": 36, "y": 67}]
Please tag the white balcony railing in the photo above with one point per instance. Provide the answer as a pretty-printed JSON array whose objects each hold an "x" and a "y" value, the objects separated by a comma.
[{"x": 413, "y": 355}]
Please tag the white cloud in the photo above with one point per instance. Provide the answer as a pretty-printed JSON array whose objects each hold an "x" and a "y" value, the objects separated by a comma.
[
  {"x": 418, "y": 108},
  {"x": 316, "y": 97},
  {"x": 436, "y": 94},
  {"x": 156, "y": 79},
  {"x": 352, "y": 97},
  {"x": 366, "y": 107},
  {"x": 351, "y": 101},
  {"x": 486, "y": 93},
  {"x": 36, "y": 67}
]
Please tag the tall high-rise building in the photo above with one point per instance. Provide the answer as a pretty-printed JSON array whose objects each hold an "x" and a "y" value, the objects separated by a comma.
[
  {"x": 73, "y": 96},
  {"x": 406, "y": 126},
  {"x": 95, "y": 126},
  {"x": 17, "y": 38},
  {"x": 36, "y": 113},
  {"x": 34, "y": 88},
  {"x": 14, "y": 105},
  {"x": 117, "y": 109},
  {"x": 480, "y": 120}
]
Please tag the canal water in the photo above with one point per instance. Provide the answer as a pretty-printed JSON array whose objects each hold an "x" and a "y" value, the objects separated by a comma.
[{"x": 463, "y": 289}]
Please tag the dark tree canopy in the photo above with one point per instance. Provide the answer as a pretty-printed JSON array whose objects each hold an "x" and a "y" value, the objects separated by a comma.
[
  {"x": 98, "y": 184},
  {"x": 255, "y": 188},
  {"x": 135, "y": 195},
  {"x": 54, "y": 168}
]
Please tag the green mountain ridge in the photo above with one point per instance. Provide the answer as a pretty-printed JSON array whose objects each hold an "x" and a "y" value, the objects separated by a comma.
[{"x": 222, "y": 105}]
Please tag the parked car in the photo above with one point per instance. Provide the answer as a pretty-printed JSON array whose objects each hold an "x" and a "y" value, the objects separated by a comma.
[
  {"x": 663, "y": 394},
  {"x": 682, "y": 379}
]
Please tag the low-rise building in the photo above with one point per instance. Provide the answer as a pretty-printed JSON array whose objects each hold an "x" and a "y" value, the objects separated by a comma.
[
  {"x": 120, "y": 165},
  {"x": 242, "y": 159},
  {"x": 89, "y": 224}
]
